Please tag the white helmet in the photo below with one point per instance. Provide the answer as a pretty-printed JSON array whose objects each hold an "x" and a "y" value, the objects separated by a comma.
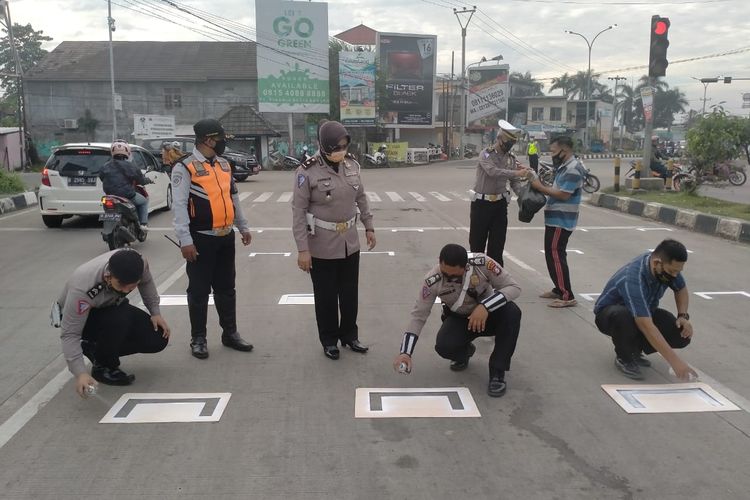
[
  {"x": 507, "y": 129},
  {"x": 176, "y": 145},
  {"x": 120, "y": 148}
]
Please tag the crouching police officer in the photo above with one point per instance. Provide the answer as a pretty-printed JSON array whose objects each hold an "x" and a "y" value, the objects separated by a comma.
[
  {"x": 489, "y": 198},
  {"x": 477, "y": 296},
  {"x": 98, "y": 322},
  {"x": 206, "y": 209}
]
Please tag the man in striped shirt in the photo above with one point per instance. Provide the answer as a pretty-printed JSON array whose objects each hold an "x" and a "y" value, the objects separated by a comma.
[
  {"x": 627, "y": 310},
  {"x": 560, "y": 218}
]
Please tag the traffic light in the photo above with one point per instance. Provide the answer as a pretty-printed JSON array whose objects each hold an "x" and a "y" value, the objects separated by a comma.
[{"x": 657, "y": 58}]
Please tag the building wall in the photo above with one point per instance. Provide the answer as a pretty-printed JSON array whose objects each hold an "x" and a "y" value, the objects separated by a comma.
[{"x": 10, "y": 151}]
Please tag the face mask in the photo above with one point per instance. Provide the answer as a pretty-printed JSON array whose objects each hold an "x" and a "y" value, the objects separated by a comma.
[
  {"x": 557, "y": 160},
  {"x": 336, "y": 157},
  {"x": 507, "y": 145},
  {"x": 664, "y": 277},
  {"x": 220, "y": 146},
  {"x": 452, "y": 279}
]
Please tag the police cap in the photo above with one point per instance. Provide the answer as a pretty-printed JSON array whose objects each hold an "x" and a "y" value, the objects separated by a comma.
[
  {"x": 208, "y": 127},
  {"x": 508, "y": 130}
]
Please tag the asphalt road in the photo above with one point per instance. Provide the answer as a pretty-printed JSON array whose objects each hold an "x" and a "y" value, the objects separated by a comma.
[{"x": 289, "y": 429}]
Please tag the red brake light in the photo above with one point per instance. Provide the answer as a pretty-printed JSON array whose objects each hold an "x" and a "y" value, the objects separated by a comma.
[
  {"x": 45, "y": 178},
  {"x": 84, "y": 151},
  {"x": 108, "y": 202}
]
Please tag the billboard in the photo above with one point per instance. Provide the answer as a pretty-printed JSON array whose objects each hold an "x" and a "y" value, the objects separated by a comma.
[
  {"x": 407, "y": 64},
  {"x": 488, "y": 92},
  {"x": 357, "y": 88},
  {"x": 292, "y": 56},
  {"x": 153, "y": 126}
]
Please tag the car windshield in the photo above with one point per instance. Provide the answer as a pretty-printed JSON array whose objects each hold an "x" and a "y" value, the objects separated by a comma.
[{"x": 71, "y": 162}]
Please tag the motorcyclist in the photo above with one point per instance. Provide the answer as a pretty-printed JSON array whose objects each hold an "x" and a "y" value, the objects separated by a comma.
[
  {"x": 656, "y": 165},
  {"x": 383, "y": 149},
  {"x": 119, "y": 177}
]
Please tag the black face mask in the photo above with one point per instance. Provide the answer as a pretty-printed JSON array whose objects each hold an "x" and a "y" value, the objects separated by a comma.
[
  {"x": 452, "y": 279},
  {"x": 220, "y": 146},
  {"x": 507, "y": 145},
  {"x": 557, "y": 160},
  {"x": 664, "y": 277}
]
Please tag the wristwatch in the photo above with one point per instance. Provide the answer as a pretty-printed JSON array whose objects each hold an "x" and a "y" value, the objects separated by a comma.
[{"x": 684, "y": 315}]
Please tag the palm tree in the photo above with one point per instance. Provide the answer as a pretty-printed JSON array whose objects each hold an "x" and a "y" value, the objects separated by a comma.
[
  {"x": 525, "y": 85},
  {"x": 581, "y": 82},
  {"x": 564, "y": 83},
  {"x": 668, "y": 103},
  {"x": 626, "y": 102}
]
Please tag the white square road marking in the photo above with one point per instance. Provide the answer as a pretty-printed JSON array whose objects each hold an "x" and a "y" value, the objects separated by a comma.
[
  {"x": 431, "y": 402},
  {"x": 146, "y": 408},
  {"x": 285, "y": 197},
  {"x": 297, "y": 299},
  {"x": 668, "y": 398},
  {"x": 179, "y": 300},
  {"x": 284, "y": 254}
]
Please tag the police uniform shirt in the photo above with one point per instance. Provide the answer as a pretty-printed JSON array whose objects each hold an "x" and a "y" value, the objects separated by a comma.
[
  {"x": 329, "y": 196},
  {"x": 181, "y": 184},
  {"x": 494, "y": 171},
  {"x": 85, "y": 290},
  {"x": 485, "y": 276}
]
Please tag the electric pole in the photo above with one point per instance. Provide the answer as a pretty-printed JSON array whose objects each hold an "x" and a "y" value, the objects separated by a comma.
[
  {"x": 462, "y": 118},
  {"x": 21, "y": 102},
  {"x": 111, "y": 28},
  {"x": 614, "y": 112}
]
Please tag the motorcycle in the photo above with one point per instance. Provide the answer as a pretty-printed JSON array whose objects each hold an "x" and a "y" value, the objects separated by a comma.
[
  {"x": 653, "y": 173},
  {"x": 379, "y": 158},
  {"x": 546, "y": 173},
  {"x": 687, "y": 179},
  {"x": 120, "y": 223}
]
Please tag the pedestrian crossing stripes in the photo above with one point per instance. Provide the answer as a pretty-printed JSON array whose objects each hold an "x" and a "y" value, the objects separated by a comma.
[{"x": 372, "y": 196}]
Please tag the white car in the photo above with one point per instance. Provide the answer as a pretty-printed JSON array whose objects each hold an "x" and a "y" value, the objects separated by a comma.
[{"x": 71, "y": 185}]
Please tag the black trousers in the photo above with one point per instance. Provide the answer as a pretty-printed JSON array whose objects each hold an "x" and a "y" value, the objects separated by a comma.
[
  {"x": 556, "y": 255},
  {"x": 618, "y": 323},
  {"x": 121, "y": 330},
  {"x": 504, "y": 324},
  {"x": 213, "y": 270},
  {"x": 336, "y": 289},
  {"x": 489, "y": 223},
  {"x": 534, "y": 162}
]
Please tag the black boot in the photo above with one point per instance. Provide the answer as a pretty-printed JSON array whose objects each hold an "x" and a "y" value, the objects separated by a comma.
[
  {"x": 198, "y": 317},
  {"x": 227, "y": 310},
  {"x": 458, "y": 366},
  {"x": 111, "y": 376}
]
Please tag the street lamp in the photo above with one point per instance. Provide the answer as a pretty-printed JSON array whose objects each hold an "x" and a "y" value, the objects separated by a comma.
[
  {"x": 588, "y": 79},
  {"x": 705, "y": 82}
]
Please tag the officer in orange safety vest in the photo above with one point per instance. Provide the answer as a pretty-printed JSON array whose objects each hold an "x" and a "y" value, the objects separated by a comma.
[{"x": 206, "y": 209}]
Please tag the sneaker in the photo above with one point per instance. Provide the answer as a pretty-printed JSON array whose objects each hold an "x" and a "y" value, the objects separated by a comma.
[
  {"x": 550, "y": 295},
  {"x": 641, "y": 360},
  {"x": 144, "y": 228},
  {"x": 559, "y": 303},
  {"x": 629, "y": 368},
  {"x": 458, "y": 366},
  {"x": 497, "y": 386},
  {"x": 111, "y": 376}
]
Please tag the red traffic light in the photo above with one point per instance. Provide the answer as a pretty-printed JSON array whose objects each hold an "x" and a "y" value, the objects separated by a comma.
[{"x": 660, "y": 28}]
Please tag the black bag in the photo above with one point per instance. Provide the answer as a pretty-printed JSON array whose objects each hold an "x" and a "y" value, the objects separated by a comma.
[{"x": 530, "y": 201}]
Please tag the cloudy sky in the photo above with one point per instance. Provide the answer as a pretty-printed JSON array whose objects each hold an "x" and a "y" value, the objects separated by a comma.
[{"x": 529, "y": 34}]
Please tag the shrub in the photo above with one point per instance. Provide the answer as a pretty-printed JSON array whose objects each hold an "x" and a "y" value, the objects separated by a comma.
[{"x": 11, "y": 183}]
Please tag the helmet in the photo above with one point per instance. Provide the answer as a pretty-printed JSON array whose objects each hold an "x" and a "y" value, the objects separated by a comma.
[
  {"x": 120, "y": 148},
  {"x": 176, "y": 145},
  {"x": 383, "y": 147},
  {"x": 304, "y": 148},
  {"x": 507, "y": 130}
]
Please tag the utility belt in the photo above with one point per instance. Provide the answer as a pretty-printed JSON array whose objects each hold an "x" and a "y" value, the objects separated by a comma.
[
  {"x": 216, "y": 231},
  {"x": 339, "y": 227},
  {"x": 488, "y": 197}
]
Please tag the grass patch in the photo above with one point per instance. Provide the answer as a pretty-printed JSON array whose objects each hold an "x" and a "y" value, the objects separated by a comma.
[
  {"x": 11, "y": 183},
  {"x": 689, "y": 201}
]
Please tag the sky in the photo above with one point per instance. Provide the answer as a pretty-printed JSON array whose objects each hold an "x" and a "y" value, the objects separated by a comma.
[{"x": 529, "y": 34}]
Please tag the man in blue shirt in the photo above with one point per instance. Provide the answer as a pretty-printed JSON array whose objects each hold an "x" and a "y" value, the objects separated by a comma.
[
  {"x": 560, "y": 218},
  {"x": 628, "y": 311}
]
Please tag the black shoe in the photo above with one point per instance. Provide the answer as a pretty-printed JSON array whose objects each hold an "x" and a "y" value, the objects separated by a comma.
[
  {"x": 331, "y": 351},
  {"x": 111, "y": 376},
  {"x": 199, "y": 348},
  {"x": 641, "y": 360},
  {"x": 629, "y": 368},
  {"x": 356, "y": 346},
  {"x": 458, "y": 366},
  {"x": 497, "y": 386},
  {"x": 234, "y": 341},
  {"x": 89, "y": 348}
]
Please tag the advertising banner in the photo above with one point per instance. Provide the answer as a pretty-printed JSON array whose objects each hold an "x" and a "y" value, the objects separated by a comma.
[
  {"x": 647, "y": 97},
  {"x": 357, "y": 88},
  {"x": 292, "y": 56},
  {"x": 407, "y": 63},
  {"x": 396, "y": 150},
  {"x": 488, "y": 92},
  {"x": 153, "y": 126}
]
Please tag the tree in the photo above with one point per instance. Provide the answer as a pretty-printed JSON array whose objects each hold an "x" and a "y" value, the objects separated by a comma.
[
  {"x": 716, "y": 138},
  {"x": 564, "y": 83},
  {"x": 29, "y": 46},
  {"x": 667, "y": 103},
  {"x": 626, "y": 101},
  {"x": 525, "y": 85}
]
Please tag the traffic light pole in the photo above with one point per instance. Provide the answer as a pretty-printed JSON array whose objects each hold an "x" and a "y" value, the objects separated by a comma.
[{"x": 649, "y": 122}]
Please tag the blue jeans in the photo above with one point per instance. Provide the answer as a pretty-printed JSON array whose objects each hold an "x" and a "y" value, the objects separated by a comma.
[{"x": 141, "y": 205}]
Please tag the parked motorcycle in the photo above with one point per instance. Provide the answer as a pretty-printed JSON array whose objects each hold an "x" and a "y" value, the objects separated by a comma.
[
  {"x": 379, "y": 158},
  {"x": 687, "y": 179},
  {"x": 120, "y": 223},
  {"x": 546, "y": 173}
]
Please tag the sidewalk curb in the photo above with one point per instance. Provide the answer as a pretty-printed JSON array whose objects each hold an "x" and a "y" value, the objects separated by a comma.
[
  {"x": 17, "y": 202},
  {"x": 713, "y": 225}
]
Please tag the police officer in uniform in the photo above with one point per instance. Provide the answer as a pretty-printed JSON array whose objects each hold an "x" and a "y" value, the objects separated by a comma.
[
  {"x": 97, "y": 321},
  {"x": 489, "y": 205},
  {"x": 206, "y": 210},
  {"x": 328, "y": 193},
  {"x": 477, "y": 296}
]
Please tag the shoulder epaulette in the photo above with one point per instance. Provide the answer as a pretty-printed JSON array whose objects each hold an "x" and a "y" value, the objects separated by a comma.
[
  {"x": 477, "y": 260},
  {"x": 431, "y": 280},
  {"x": 95, "y": 290},
  {"x": 312, "y": 161}
]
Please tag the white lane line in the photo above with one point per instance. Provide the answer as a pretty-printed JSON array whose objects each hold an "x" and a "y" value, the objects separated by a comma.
[
  {"x": 417, "y": 196},
  {"x": 23, "y": 229},
  {"x": 460, "y": 196},
  {"x": 180, "y": 300},
  {"x": 589, "y": 296},
  {"x": 285, "y": 197},
  {"x": 244, "y": 196},
  {"x": 644, "y": 229},
  {"x": 21, "y": 417},
  {"x": 264, "y": 197},
  {"x": 17, "y": 213},
  {"x": 372, "y": 196},
  {"x": 579, "y": 252},
  {"x": 707, "y": 295},
  {"x": 285, "y": 254},
  {"x": 297, "y": 299},
  {"x": 519, "y": 262},
  {"x": 394, "y": 196},
  {"x": 408, "y": 230},
  {"x": 390, "y": 254},
  {"x": 439, "y": 196}
]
